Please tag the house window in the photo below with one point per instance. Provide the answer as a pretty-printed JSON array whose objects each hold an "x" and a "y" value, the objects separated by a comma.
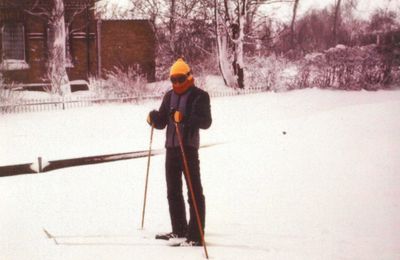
[{"x": 13, "y": 47}]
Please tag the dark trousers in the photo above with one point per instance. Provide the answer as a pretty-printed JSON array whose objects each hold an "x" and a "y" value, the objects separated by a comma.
[{"x": 174, "y": 169}]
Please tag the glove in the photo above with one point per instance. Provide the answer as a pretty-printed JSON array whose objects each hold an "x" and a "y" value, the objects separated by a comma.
[
  {"x": 151, "y": 116},
  {"x": 178, "y": 117}
]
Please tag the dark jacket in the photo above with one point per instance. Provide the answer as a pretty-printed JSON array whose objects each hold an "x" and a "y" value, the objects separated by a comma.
[{"x": 196, "y": 109}]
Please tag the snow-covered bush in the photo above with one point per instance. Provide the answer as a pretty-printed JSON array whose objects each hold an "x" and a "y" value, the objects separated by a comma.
[
  {"x": 3, "y": 90},
  {"x": 347, "y": 68},
  {"x": 351, "y": 68},
  {"x": 396, "y": 77},
  {"x": 8, "y": 95},
  {"x": 263, "y": 72},
  {"x": 120, "y": 82},
  {"x": 276, "y": 73}
]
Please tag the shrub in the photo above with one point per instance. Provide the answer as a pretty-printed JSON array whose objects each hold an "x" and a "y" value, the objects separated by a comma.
[
  {"x": 276, "y": 73},
  {"x": 8, "y": 95},
  {"x": 120, "y": 82},
  {"x": 351, "y": 68},
  {"x": 263, "y": 71},
  {"x": 346, "y": 68}
]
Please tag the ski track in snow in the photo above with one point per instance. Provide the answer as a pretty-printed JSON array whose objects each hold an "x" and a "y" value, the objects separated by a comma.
[{"x": 307, "y": 174}]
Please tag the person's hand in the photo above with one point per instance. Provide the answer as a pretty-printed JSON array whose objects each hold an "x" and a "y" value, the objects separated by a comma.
[
  {"x": 177, "y": 116},
  {"x": 151, "y": 116}
]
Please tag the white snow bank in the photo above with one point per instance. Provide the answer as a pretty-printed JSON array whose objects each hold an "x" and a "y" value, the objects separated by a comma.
[{"x": 307, "y": 174}]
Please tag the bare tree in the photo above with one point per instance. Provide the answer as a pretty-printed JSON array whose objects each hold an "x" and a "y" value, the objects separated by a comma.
[
  {"x": 223, "y": 25},
  {"x": 239, "y": 19},
  {"x": 238, "y": 62},
  {"x": 236, "y": 15},
  {"x": 172, "y": 25},
  {"x": 54, "y": 13},
  {"x": 235, "y": 19},
  {"x": 222, "y": 47},
  {"x": 183, "y": 28},
  {"x": 383, "y": 20},
  {"x": 170, "y": 16},
  {"x": 112, "y": 10},
  {"x": 57, "y": 60},
  {"x": 336, "y": 21},
  {"x": 342, "y": 11},
  {"x": 295, "y": 5}
]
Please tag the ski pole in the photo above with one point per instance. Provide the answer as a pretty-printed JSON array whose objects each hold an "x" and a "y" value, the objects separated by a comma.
[
  {"x": 147, "y": 175},
  {"x": 187, "y": 173}
]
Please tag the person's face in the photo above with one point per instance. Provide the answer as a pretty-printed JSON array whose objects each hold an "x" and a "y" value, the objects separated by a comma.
[{"x": 178, "y": 79}]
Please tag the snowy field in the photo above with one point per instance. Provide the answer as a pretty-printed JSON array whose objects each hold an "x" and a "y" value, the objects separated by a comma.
[{"x": 306, "y": 174}]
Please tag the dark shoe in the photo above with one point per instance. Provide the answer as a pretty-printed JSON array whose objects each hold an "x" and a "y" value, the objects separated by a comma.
[{"x": 168, "y": 236}]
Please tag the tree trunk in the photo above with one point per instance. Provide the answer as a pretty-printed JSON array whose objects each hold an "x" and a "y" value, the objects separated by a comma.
[
  {"x": 218, "y": 41},
  {"x": 296, "y": 4},
  {"x": 238, "y": 35},
  {"x": 222, "y": 49},
  {"x": 336, "y": 19},
  {"x": 57, "y": 62},
  {"x": 172, "y": 26}
]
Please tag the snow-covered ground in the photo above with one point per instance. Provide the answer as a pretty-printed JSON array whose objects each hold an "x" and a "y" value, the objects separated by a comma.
[{"x": 306, "y": 174}]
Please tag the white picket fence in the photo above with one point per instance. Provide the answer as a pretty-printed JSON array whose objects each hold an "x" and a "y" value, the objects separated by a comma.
[{"x": 62, "y": 103}]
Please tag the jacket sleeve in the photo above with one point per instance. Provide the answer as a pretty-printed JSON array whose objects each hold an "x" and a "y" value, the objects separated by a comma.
[
  {"x": 161, "y": 116},
  {"x": 200, "y": 116}
]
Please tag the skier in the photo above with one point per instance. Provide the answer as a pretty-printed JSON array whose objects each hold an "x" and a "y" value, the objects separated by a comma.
[{"x": 189, "y": 107}]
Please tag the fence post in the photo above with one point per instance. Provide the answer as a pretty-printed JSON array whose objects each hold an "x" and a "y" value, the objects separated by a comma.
[{"x": 40, "y": 163}]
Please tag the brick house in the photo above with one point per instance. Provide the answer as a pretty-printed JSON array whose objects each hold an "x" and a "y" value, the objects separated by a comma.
[{"x": 93, "y": 46}]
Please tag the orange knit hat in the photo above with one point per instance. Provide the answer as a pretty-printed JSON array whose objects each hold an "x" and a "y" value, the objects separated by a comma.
[{"x": 180, "y": 67}]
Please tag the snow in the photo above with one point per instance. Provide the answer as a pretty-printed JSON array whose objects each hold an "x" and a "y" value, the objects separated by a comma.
[
  {"x": 12, "y": 64},
  {"x": 327, "y": 189}
]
